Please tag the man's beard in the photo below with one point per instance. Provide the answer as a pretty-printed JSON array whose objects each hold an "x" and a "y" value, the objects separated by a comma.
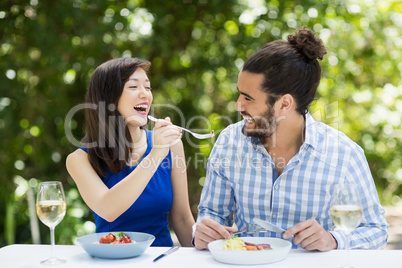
[{"x": 265, "y": 125}]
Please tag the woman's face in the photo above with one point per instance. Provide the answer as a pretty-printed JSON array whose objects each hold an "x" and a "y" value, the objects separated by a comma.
[{"x": 136, "y": 99}]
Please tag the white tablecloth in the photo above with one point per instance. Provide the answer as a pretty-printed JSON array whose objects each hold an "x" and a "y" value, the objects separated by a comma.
[{"x": 24, "y": 256}]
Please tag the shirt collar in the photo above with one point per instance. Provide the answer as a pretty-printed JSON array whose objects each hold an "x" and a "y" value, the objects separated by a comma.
[{"x": 310, "y": 131}]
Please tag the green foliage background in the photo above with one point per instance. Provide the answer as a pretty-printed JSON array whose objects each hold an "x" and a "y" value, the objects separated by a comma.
[{"x": 48, "y": 50}]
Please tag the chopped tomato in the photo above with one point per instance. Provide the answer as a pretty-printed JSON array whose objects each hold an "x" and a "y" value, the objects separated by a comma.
[
  {"x": 107, "y": 239},
  {"x": 111, "y": 239},
  {"x": 117, "y": 241},
  {"x": 126, "y": 239}
]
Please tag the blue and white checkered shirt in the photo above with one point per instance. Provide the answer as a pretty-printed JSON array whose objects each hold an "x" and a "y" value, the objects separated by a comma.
[{"x": 242, "y": 183}]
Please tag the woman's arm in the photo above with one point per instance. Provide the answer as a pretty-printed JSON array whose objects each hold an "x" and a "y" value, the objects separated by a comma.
[
  {"x": 181, "y": 218},
  {"x": 111, "y": 203}
]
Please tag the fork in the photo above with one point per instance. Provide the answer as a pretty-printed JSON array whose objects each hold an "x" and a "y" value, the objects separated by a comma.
[
  {"x": 251, "y": 229},
  {"x": 198, "y": 136}
]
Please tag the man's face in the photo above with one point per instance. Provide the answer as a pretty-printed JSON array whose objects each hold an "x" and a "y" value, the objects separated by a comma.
[{"x": 259, "y": 117}]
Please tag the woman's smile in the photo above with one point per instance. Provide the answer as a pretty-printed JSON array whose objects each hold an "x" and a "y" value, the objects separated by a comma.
[{"x": 142, "y": 108}]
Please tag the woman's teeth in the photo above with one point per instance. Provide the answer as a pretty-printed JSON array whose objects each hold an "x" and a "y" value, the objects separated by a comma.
[{"x": 141, "y": 107}]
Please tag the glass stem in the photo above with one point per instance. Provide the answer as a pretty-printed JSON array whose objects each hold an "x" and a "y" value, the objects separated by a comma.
[
  {"x": 51, "y": 242},
  {"x": 347, "y": 250}
]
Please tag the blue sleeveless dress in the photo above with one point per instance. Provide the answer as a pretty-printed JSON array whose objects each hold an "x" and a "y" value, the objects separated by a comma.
[{"x": 149, "y": 213}]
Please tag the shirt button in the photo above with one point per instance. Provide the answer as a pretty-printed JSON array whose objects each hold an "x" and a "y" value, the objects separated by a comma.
[
  {"x": 274, "y": 216},
  {"x": 276, "y": 187}
]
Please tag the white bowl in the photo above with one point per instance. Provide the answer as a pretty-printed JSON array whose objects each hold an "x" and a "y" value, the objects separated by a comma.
[
  {"x": 90, "y": 243},
  {"x": 279, "y": 251}
]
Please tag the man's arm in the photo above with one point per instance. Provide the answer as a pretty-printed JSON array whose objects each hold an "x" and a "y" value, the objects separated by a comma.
[
  {"x": 372, "y": 233},
  {"x": 216, "y": 207}
]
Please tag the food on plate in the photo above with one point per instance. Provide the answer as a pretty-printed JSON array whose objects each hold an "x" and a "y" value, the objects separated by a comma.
[
  {"x": 121, "y": 238},
  {"x": 237, "y": 243},
  {"x": 107, "y": 239}
]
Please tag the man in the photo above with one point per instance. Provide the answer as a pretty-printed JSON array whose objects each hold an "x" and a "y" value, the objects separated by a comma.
[{"x": 279, "y": 164}]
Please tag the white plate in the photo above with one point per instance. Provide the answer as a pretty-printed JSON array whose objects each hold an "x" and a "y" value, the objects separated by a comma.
[
  {"x": 280, "y": 250},
  {"x": 115, "y": 251}
]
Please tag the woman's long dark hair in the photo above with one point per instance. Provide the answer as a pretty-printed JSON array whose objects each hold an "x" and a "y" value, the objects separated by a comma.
[
  {"x": 290, "y": 67},
  {"x": 107, "y": 138}
]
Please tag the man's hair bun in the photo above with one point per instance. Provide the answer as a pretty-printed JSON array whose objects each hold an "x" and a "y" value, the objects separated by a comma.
[{"x": 307, "y": 43}]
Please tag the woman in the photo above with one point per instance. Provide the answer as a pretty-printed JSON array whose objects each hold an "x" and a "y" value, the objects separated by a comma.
[{"x": 125, "y": 173}]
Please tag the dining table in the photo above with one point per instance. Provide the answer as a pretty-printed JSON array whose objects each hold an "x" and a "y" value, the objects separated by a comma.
[{"x": 30, "y": 256}]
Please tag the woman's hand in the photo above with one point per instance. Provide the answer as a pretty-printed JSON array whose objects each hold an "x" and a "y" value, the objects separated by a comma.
[{"x": 164, "y": 136}]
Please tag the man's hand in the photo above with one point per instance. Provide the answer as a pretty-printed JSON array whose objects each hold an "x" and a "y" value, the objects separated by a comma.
[
  {"x": 209, "y": 230},
  {"x": 311, "y": 236}
]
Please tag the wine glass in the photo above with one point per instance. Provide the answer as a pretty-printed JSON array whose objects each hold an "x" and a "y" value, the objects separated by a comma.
[
  {"x": 346, "y": 210},
  {"x": 51, "y": 208}
]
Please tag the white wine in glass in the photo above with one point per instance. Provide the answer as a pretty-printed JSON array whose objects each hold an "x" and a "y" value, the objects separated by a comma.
[
  {"x": 51, "y": 208},
  {"x": 346, "y": 211}
]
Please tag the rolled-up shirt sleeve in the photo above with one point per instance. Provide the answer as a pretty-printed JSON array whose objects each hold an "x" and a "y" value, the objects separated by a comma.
[{"x": 372, "y": 233}]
